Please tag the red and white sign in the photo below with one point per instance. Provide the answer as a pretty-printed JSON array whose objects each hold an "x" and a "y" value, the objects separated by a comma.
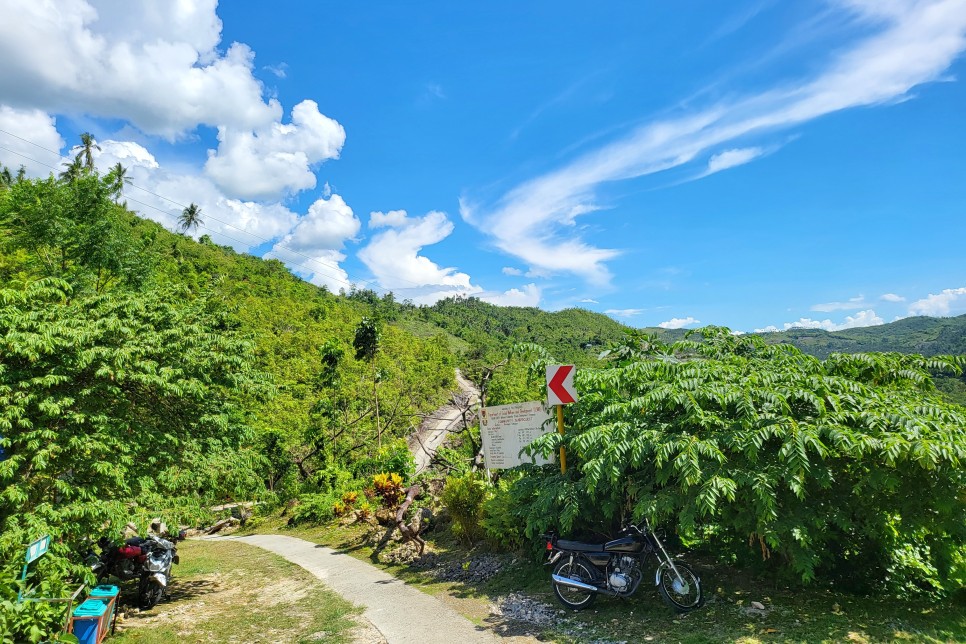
[{"x": 560, "y": 384}]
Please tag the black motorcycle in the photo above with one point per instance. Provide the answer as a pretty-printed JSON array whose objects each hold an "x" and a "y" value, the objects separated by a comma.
[
  {"x": 615, "y": 568},
  {"x": 146, "y": 559}
]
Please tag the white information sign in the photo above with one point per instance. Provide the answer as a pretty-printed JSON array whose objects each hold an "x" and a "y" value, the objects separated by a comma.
[{"x": 507, "y": 429}]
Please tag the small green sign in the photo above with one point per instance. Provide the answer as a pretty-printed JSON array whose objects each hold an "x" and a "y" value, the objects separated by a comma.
[{"x": 37, "y": 548}]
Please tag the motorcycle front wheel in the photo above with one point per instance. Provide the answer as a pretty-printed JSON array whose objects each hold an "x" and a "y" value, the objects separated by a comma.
[
  {"x": 149, "y": 593},
  {"x": 574, "y": 598},
  {"x": 682, "y": 594}
]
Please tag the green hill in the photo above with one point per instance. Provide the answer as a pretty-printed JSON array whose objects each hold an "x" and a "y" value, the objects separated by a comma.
[{"x": 923, "y": 335}]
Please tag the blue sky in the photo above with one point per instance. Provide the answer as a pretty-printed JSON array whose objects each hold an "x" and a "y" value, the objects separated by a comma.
[{"x": 754, "y": 164}]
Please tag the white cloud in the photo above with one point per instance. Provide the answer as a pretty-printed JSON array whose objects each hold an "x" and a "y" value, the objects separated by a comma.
[
  {"x": 678, "y": 323},
  {"x": 529, "y": 296},
  {"x": 732, "y": 158},
  {"x": 160, "y": 66},
  {"x": 391, "y": 219},
  {"x": 160, "y": 194},
  {"x": 860, "y": 319},
  {"x": 393, "y": 257},
  {"x": 275, "y": 159},
  {"x": 852, "y": 304},
  {"x": 509, "y": 270},
  {"x": 623, "y": 313},
  {"x": 37, "y": 134},
  {"x": 940, "y": 304},
  {"x": 155, "y": 64},
  {"x": 910, "y": 44},
  {"x": 313, "y": 247},
  {"x": 589, "y": 301},
  {"x": 892, "y": 297}
]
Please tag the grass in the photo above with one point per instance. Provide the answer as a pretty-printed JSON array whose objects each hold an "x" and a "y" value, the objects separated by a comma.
[
  {"x": 233, "y": 592},
  {"x": 791, "y": 614}
]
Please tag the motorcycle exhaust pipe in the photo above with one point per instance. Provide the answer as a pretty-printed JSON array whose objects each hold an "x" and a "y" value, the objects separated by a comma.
[{"x": 579, "y": 585}]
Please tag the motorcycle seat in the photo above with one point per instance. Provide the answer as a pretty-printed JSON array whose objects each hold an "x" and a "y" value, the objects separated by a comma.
[{"x": 579, "y": 546}]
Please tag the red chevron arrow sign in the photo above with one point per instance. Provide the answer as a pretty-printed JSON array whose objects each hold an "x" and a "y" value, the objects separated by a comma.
[{"x": 560, "y": 384}]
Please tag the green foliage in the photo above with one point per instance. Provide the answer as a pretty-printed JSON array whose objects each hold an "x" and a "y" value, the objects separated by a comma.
[
  {"x": 504, "y": 512},
  {"x": 315, "y": 508},
  {"x": 849, "y": 468},
  {"x": 463, "y": 496},
  {"x": 393, "y": 457},
  {"x": 73, "y": 231}
]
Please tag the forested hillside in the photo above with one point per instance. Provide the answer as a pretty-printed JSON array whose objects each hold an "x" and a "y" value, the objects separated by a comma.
[{"x": 139, "y": 366}]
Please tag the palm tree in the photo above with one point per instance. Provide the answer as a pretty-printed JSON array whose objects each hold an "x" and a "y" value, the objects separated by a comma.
[
  {"x": 190, "y": 218},
  {"x": 116, "y": 179},
  {"x": 72, "y": 170},
  {"x": 88, "y": 145}
]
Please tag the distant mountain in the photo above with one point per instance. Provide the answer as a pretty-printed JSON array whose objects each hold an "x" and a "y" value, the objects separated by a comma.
[{"x": 924, "y": 335}]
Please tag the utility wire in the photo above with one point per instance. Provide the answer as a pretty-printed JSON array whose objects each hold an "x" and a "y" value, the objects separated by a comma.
[{"x": 308, "y": 269}]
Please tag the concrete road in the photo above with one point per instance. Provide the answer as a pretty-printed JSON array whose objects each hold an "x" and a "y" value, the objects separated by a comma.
[
  {"x": 401, "y": 613},
  {"x": 434, "y": 430}
]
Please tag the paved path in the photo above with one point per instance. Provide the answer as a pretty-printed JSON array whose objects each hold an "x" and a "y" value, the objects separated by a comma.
[
  {"x": 401, "y": 613},
  {"x": 435, "y": 429}
]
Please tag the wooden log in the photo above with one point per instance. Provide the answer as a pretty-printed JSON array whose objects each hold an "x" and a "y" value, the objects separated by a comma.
[{"x": 409, "y": 532}]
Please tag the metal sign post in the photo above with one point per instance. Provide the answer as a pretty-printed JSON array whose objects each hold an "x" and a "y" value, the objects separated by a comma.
[
  {"x": 560, "y": 392},
  {"x": 34, "y": 551}
]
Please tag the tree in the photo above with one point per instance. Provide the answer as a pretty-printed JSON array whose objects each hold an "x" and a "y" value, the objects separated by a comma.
[
  {"x": 849, "y": 468},
  {"x": 86, "y": 153},
  {"x": 73, "y": 231},
  {"x": 116, "y": 179},
  {"x": 190, "y": 218},
  {"x": 72, "y": 170},
  {"x": 366, "y": 344}
]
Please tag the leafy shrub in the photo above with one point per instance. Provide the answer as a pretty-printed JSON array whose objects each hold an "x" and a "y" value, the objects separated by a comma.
[
  {"x": 388, "y": 488},
  {"x": 851, "y": 467},
  {"x": 392, "y": 457},
  {"x": 503, "y": 518},
  {"x": 463, "y": 496},
  {"x": 314, "y": 508}
]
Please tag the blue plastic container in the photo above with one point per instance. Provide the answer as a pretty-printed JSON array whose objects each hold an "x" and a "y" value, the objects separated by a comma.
[
  {"x": 104, "y": 592},
  {"x": 87, "y": 621}
]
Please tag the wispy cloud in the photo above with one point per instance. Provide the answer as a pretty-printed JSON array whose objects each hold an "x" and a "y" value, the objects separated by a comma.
[
  {"x": 280, "y": 70},
  {"x": 852, "y": 304},
  {"x": 892, "y": 297},
  {"x": 913, "y": 43},
  {"x": 623, "y": 313},
  {"x": 732, "y": 158}
]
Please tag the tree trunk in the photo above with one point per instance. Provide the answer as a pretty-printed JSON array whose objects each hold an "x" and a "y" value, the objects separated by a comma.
[{"x": 375, "y": 395}]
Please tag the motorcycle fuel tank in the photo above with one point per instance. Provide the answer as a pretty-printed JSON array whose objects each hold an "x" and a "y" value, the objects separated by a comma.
[{"x": 624, "y": 544}]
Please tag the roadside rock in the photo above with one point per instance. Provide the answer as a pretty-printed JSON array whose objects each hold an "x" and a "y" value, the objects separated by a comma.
[
  {"x": 476, "y": 569},
  {"x": 519, "y": 607}
]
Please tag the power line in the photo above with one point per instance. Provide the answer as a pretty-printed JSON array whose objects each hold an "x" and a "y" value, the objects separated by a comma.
[{"x": 218, "y": 232}]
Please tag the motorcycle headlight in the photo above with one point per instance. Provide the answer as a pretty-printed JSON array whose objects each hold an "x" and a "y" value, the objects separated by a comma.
[{"x": 154, "y": 565}]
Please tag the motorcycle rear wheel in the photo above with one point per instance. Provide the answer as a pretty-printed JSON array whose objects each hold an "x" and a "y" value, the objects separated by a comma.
[
  {"x": 149, "y": 593},
  {"x": 682, "y": 597},
  {"x": 574, "y": 598}
]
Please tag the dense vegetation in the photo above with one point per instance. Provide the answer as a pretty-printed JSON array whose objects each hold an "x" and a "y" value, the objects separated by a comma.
[
  {"x": 848, "y": 468},
  {"x": 144, "y": 373}
]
